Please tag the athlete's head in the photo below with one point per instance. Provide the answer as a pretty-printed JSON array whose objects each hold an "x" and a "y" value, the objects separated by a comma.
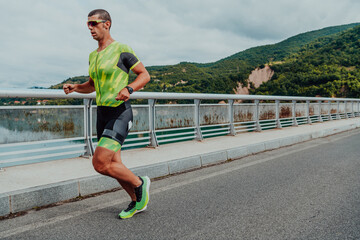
[
  {"x": 99, "y": 23},
  {"x": 102, "y": 14}
]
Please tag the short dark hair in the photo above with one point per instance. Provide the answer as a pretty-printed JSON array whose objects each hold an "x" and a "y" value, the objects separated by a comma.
[{"x": 103, "y": 14}]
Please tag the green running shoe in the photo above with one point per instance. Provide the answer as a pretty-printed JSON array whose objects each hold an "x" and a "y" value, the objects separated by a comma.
[
  {"x": 130, "y": 211},
  {"x": 142, "y": 194}
]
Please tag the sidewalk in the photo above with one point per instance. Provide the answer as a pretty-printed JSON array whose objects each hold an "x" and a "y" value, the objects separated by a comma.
[{"x": 28, "y": 186}]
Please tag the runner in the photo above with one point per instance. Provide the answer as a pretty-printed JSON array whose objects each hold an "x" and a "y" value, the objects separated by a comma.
[{"x": 109, "y": 68}]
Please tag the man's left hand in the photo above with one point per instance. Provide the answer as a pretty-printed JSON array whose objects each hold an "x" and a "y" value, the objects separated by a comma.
[{"x": 123, "y": 95}]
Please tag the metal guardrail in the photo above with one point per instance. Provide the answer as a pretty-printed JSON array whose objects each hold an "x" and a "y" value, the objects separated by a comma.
[{"x": 198, "y": 120}]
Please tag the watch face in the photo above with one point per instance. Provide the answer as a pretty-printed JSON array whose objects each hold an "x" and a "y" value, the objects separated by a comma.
[{"x": 130, "y": 89}]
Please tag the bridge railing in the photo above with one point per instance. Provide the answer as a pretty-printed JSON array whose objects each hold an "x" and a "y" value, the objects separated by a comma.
[{"x": 38, "y": 133}]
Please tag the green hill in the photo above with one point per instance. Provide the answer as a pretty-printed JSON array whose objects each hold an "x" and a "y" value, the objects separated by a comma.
[
  {"x": 224, "y": 75},
  {"x": 278, "y": 51},
  {"x": 73, "y": 80},
  {"x": 326, "y": 67}
]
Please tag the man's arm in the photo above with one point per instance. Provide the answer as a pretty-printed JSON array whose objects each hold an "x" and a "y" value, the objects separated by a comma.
[
  {"x": 141, "y": 80},
  {"x": 87, "y": 87}
]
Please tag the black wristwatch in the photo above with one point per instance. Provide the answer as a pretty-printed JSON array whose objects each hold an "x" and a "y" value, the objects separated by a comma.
[{"x": 130, "y": 89}]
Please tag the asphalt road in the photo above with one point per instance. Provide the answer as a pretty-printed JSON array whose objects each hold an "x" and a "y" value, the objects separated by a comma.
[{"x": 307, "y": 191}]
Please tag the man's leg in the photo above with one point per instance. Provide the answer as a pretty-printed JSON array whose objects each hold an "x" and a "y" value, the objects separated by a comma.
[
  {"x": 131, "y": 210},
  {"x": 104, "y": 164},
  {"x": 126, "y": 186},
  {"x": 107, "y": 161}
]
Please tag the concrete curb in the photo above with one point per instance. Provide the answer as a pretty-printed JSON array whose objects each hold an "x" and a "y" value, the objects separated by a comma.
[
  {"x": 43, "y": 195},
  {"x": 23, "y": 200},
  {"x": 5, "y": 208}
]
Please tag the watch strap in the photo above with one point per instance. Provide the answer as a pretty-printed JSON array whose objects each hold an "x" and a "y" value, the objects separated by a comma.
[{"x": 130, "y": 89}]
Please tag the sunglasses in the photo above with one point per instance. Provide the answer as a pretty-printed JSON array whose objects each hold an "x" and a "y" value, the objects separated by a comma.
[{"x": 93, "y": 23}]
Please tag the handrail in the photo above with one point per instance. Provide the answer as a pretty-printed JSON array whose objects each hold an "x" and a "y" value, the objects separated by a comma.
[
  {"x": 57, "y": 93},
  {"x": 199, "y": 129}
]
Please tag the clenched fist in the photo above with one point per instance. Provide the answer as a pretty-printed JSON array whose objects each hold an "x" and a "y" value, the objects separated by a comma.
[
  {"x": 69, "y": 88},
  {"x": 123, "y": 95}
]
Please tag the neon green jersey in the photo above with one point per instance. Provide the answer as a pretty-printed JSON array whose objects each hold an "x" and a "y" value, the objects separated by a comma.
[{"x": 110, "y": 71}]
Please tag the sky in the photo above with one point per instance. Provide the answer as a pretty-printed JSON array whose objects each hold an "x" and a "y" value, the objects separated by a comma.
[{"x": 44, "y": 42}]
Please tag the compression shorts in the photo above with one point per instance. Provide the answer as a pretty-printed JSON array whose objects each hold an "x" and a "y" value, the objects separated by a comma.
[{"x": 113, "y": 125}]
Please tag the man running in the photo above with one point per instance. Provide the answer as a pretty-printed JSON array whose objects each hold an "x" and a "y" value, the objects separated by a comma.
[{"x": 109, "y": 68}]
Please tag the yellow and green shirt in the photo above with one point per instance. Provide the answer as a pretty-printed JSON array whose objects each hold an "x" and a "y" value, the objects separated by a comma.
[{"x": 110, "y": 71}]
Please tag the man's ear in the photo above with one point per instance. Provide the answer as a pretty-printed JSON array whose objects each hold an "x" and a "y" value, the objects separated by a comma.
[{"x": 107, "y": 25}]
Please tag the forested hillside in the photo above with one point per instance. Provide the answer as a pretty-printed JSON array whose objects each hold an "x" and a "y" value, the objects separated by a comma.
[
  {"x": 224, "y": 75},
  {"x": 328, "y": 67},
  {"x": 281, "y": 50}
]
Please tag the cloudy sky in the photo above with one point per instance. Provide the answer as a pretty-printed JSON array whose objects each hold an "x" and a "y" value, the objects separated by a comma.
[{"x": 44, "y": 42}]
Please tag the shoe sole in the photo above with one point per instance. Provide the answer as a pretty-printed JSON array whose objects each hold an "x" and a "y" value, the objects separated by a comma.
[{"x": 138, "y": 211}]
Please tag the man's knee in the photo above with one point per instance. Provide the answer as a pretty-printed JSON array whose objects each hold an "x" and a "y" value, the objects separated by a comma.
[
  {"x": 102, "y": 160},
  {"x": 101, "y": 168}
]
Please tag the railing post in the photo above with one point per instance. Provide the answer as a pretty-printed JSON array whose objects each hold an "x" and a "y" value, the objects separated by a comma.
[
  {"x": 153, "y": 140},
  {"x": 338, "y": 111},
  {"x": 198, "y": 135},
  {"x": 257, "y": 117},
  {"x": 89, "y": 149},
  {"x": 358, "y": 109},
  {"x": 346, "y": 114},
  {"x": 277, "y": 113},
  {"x": 320, "y": 118},
  {"x": 308, "y": 112},
  {"x": 294, "y": 113},
  {"x": 330, "y": 118},
  {"x": 352, "y": 110},
  {"x": 231, "y": 117}
]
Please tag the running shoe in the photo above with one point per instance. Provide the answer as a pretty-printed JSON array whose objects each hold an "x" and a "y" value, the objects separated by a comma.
[
  {"x": 130, "y": 211},
  {"x": 142, "y": 194}
]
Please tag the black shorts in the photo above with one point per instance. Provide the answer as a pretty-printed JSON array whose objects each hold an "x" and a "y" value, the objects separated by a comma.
[{"x": 113, "y": 123}]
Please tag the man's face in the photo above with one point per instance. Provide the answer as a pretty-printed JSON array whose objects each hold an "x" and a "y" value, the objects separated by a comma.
[{"x": 99, "y": 29}]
